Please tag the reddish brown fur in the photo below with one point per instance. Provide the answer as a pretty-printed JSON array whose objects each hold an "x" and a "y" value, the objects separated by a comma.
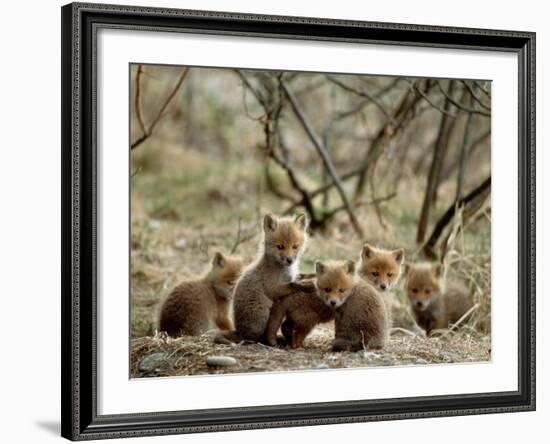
[
  {"x": 269, "y": 278},
  {"x": 301, "y": 313},
  {"x": 195, "y": 306},
  {"x": 361, "y": 318},
  {"x": 434, "y": 308},
  {"x": 380, "y": 267}
]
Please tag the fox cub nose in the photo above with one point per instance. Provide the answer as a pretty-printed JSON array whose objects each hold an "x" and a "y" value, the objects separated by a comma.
[
  {"x": 289, "y": 260},
  {"x": 383, "y": 286},
  {"x": 419, "y": 303},
  {"x": 333, "y": 303}
]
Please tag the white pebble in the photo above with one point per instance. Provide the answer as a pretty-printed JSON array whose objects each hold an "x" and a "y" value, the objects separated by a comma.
[
  {"x": 221, "y": 361},
  {"x": 370, "y": 355},
  {"x": 320, "y": 367},
  {"x": 180, "y": 243}
]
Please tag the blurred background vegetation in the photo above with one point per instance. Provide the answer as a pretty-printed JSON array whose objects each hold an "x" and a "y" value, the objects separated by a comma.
[{"x": 399, "y": 162}]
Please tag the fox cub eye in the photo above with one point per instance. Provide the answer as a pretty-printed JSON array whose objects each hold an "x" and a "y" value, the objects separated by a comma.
[
  {"x": 390, "y": 275},
  {"x": 341, "y": 290},
  {"x": 328, "y": 290},
  {"x": 280, "y": 246},
  {"x": 295, "y": 247},
  {"x": 375, "y": 273},
  {"x": 415, "y": 290}
]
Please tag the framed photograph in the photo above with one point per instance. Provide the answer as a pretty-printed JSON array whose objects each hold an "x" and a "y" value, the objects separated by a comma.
[{"x": 283, "y": 221}]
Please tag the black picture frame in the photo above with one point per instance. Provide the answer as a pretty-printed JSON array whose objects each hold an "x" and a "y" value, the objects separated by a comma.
[{"x": 79, "y": 173}]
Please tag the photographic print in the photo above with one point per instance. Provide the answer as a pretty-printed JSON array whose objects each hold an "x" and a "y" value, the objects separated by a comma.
[
  {"x": 302, "y": 221},
  {"x": 293, "y": 221}
]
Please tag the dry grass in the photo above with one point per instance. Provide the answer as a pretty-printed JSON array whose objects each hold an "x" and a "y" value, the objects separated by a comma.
[
  {"x": 162, "y": 356},
  {"x": 175, "y": 233}
]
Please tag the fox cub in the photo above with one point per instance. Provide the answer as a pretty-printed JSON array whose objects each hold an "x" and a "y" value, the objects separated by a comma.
[
  {"x": 381, "y": 267},
  {"x": 301, "y": 313},
  {"x": 271, "y": 276},
  {"x": 361, "y": 318},
  {"x": 434, "y": 308},
  {"x": 195, "y": 306}
]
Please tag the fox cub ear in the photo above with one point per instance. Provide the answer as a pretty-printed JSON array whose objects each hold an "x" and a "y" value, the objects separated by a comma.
[
  {"x": 437, "y": 269},
  {"x": 366, "y": 252},
  {"x": 219, "y": 260},
  {"x": 350, "y": 267},
  {"x": 270, "y": 223},
  {"x": 319, "y": 268},
  {"x": 301, "y": 221},
  {"x": 398, "y": 255}
]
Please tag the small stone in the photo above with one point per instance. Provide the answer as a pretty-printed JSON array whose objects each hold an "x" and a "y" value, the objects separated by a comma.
[
  {"x": 370, "y": 355},
  {"x": 320, "y": 367},
  {"x": 151, "y": 362},
  {"x": 421, "y": 361},
  {"x": 221, "y": 361},
  {"x": 449, "y": 356},
  {"x": 180, "y": 243}
]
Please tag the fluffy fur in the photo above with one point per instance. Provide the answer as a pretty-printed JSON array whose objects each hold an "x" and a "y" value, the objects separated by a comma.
[
  {"x": 268, "y": 278},
  {"x": 361, "y": 318},
  {"x": 195, "y": 306},
  {"x": 301, "y": 313},
  {"x": 433, "y": 307},
  {"x": 380, "y": 267}
]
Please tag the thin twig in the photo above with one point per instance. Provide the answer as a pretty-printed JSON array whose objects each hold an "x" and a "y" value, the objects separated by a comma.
[
  {"x": 148, "y": 131},
  {"x": 362, "y": 203},
  {"x": 425, "y": 96},
  {"x": 482, "y": 89},
  {"x": 461, "y": 320},
  {"x": 136, "y": 171},
  {"x": 360, "y": 93},
  {"x": 324, "y": 156},
  {"x": 461, "y": 107},
  {"x": 402, "y": 330},
  {"x": 240, "y": 238},
  {"x": 474, "y": 96},
  {"x": 137, "y": 104}
]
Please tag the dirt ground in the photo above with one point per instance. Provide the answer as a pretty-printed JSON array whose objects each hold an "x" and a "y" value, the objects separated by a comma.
[{"x": 158, "y": 355}]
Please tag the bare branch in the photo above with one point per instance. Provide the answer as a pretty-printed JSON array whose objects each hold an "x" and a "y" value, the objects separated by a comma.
[
  {"x": 324, "y": 156},
  {"x": 360, "y": 93},
  {"x": 255, "y": 93},
  {"x": 147, "y": 132},
  {"x": 466, "y": 141},
  {"x": 471, "y": 150},
  {"x": 403, "y": 113},
  {"x": 306, "y": 200},
  {"x": 362, "y": 203},
  {"x": 474, "y": 96},
  {"x": 137, "y": 104},
  {"x": 479, "y": 193},
  {"x": 136, "y": 171},
  {"x": 430, "y": 101},
  {"x": 272, "y": 186},
  {"x": 461, "y": 107},
  {"x": 437, "y": 159},
  {"x": 482, "y": 89},
  {"x": 241, "y": 239}
]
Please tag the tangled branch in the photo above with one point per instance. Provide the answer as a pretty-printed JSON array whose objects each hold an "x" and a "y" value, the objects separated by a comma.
[{"x": 147, "y": 131}]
